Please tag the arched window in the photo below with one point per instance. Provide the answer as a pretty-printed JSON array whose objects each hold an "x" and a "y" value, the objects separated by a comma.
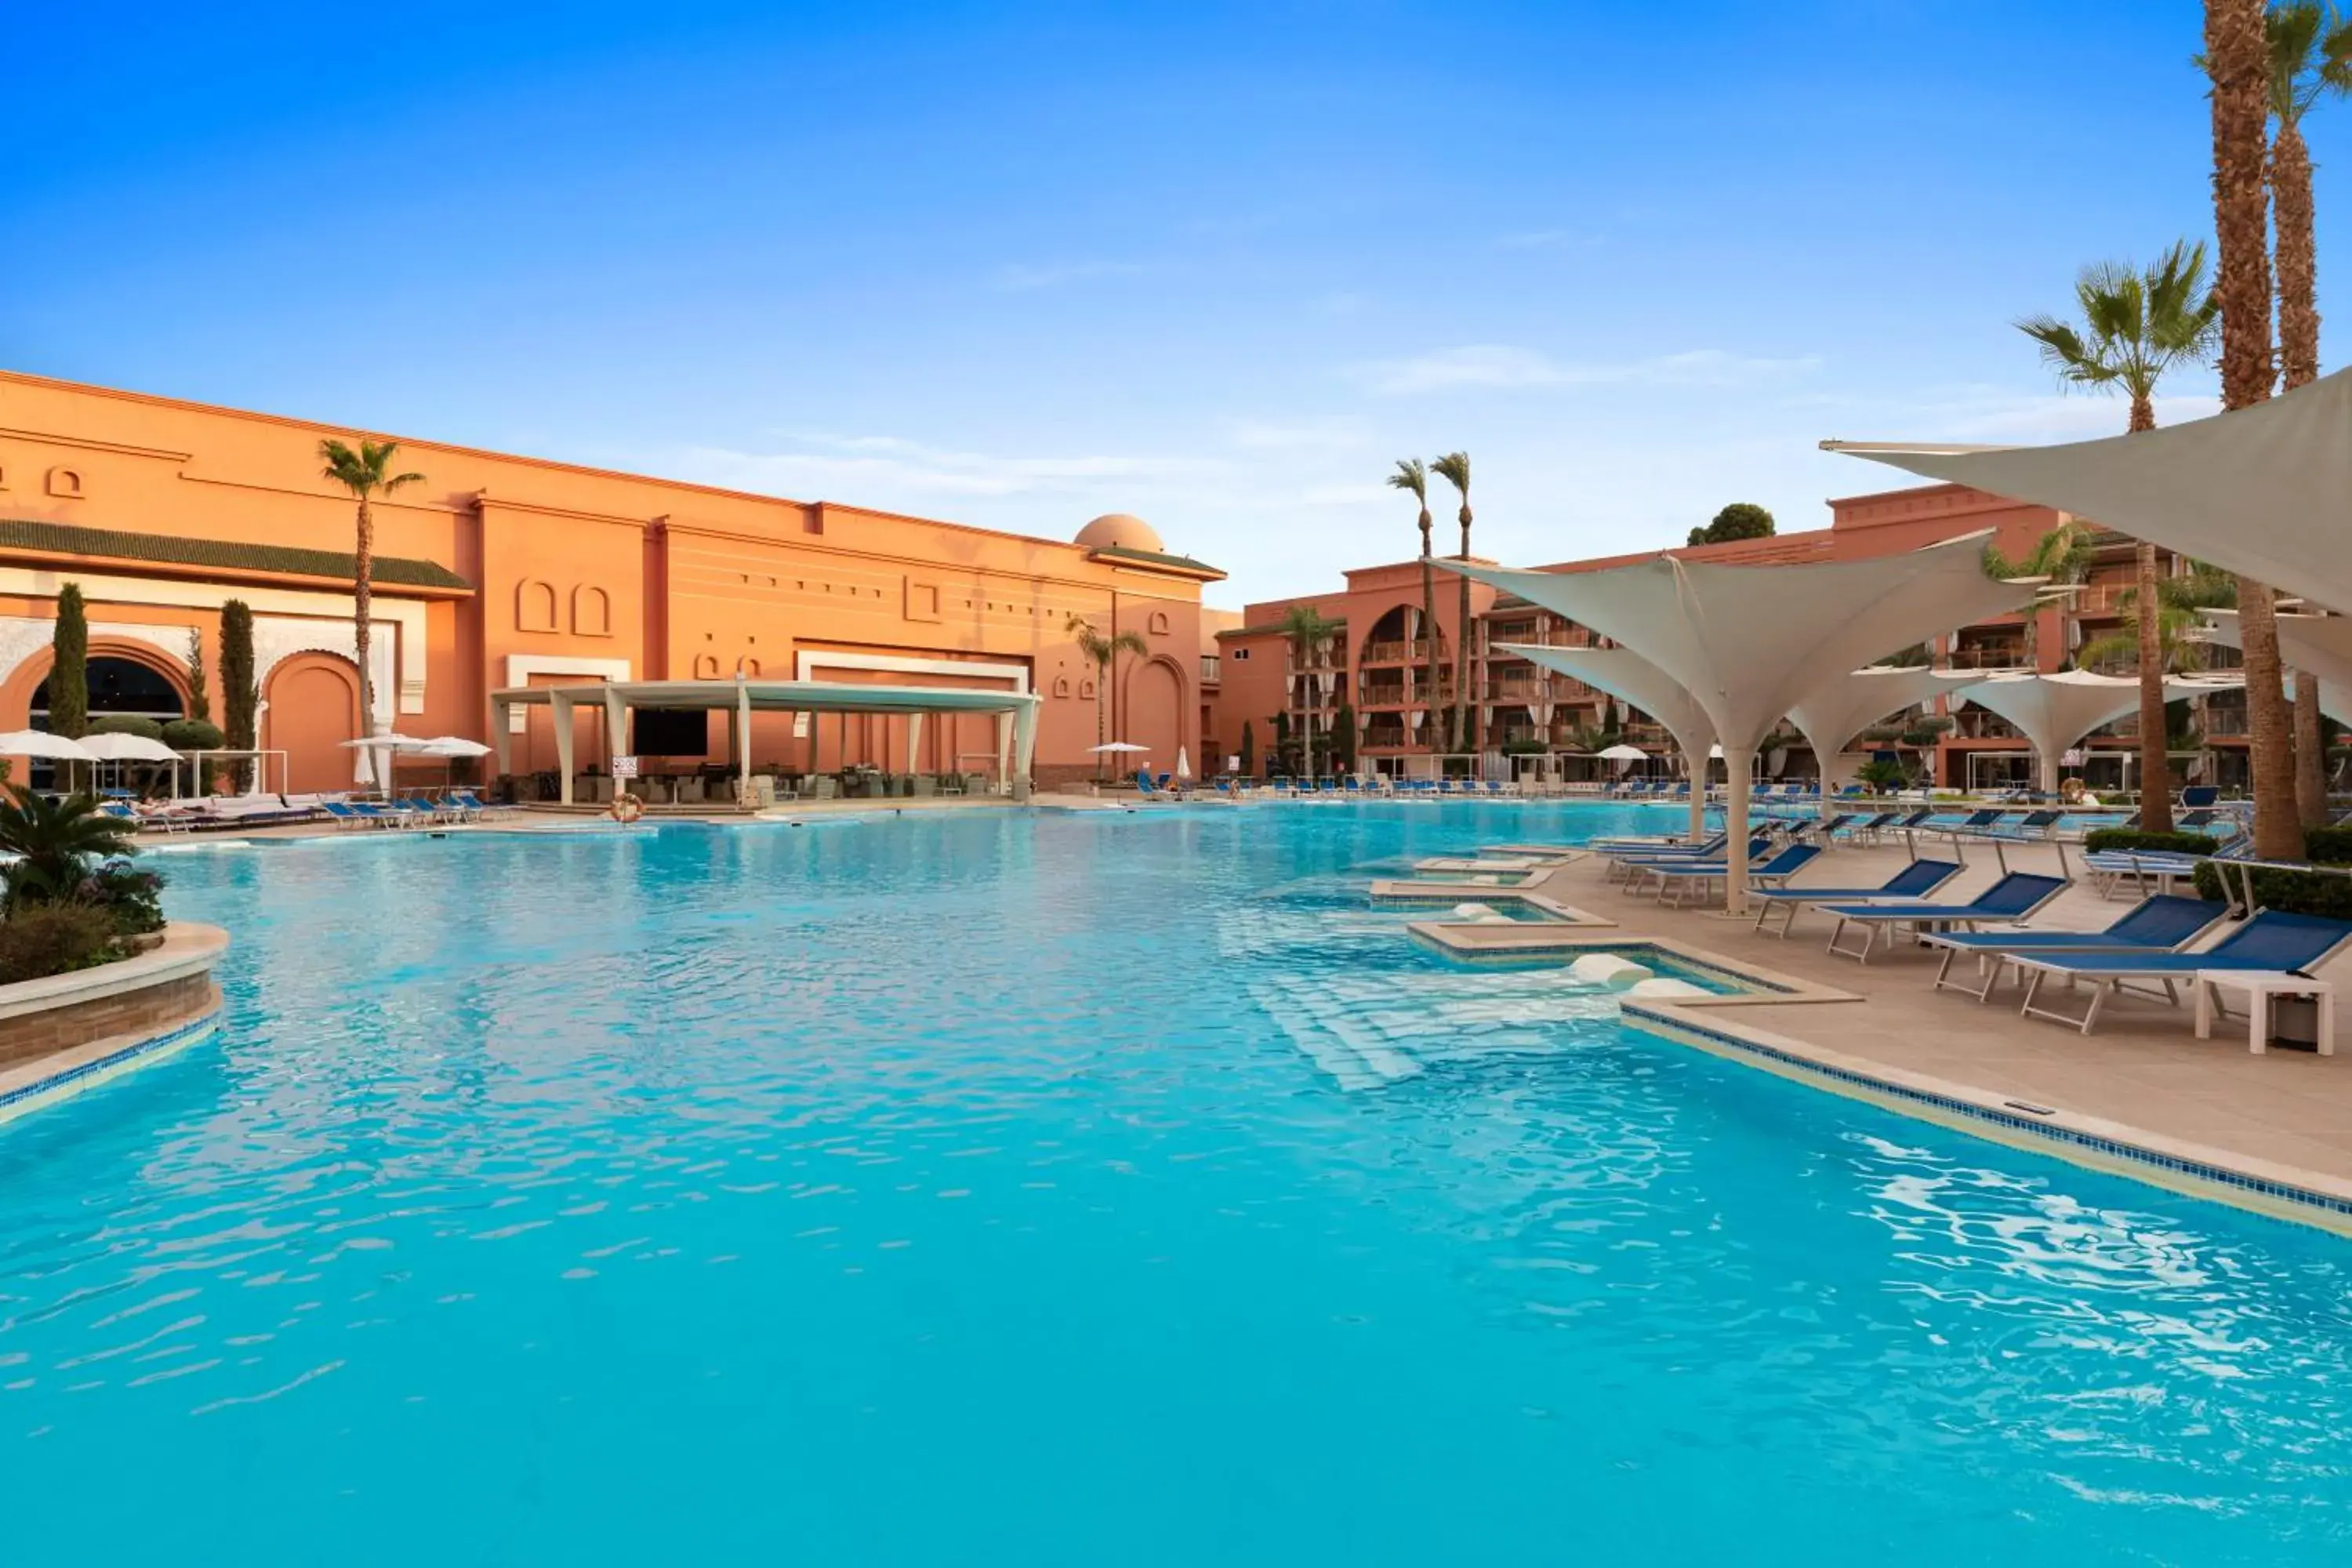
[
  {"x": 66, "y": 483},
  {"x": 706, "y": 667},
  {"x": 534, "y": 605},
  {"x": 1157, "y": 624},
  {"x": 591, "y": 612}
]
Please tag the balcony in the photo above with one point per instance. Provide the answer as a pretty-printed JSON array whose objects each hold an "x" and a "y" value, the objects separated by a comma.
[
  {"x": 1386, "y": 694},
  {"x": 1976, "y": 724},
  {"x": 1209, "y": 673},
  {"x": 1990, "y": 655},
  {"x": 2226, "y": 721}
]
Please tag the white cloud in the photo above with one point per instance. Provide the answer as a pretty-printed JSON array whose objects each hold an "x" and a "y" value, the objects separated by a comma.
[
  {"x": 1301, "y": 436},
  {"x": 871, "y": 468},
  {"x": 1017, "y": 278},
  {"x": 1502, "y": 367}
]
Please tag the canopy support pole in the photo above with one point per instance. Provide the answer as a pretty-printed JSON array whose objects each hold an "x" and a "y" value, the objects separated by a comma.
[
  {"x": 740, "y": 720},
  {"x": 560, "y": 706},
  {"x": 1738, "y": 762},
  {"x": 913, "y": 742},
  {"x": 617, "y": 729},
  {"x": 1025, "y": 747}
]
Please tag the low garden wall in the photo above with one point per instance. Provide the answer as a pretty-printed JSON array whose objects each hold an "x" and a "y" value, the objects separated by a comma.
[{"x": 61, "y": 1024}]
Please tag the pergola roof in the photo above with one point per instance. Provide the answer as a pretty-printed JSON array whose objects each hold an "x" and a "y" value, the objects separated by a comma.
[
  {"x": 776, "y": 696},
  {"x": 2265, "y": 491},
  {"x": 2319, "y": 643},
  {"x": 1748, "y": 643}
]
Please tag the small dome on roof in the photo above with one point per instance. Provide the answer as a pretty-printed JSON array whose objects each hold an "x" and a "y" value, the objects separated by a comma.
[{"x": 1120, "y": 530}]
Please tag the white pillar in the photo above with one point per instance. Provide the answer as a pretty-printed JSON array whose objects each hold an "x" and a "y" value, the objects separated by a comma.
[
  {"x": 741, "y": 721},
  {"x": 913, "y": 742},
  {"x": 1737, "y": 763},
  {"x": 2048, "y": 772},
  {"x": 1025, "y": 747},
  {"x": 617, "y": 727},
  {"x": 560, "y": 707},
  {"x": 1004, "y": 751},
  {"x": 501, "y": 745}
]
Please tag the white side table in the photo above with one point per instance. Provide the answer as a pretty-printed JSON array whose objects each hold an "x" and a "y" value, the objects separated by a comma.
[{"x": 2261, "y": 987}]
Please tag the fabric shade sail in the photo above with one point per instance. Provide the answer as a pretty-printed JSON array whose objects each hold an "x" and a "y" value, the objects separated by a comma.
[
  {"x": 1627, "y": 675},
  {"x": 1751, "y": 642},
  {"x": 2056, "y": 710},
  {"x": 1839, "y": 708},
  {"x": 2265, "y": 491},
  {"x": 2322, "y": 645}
]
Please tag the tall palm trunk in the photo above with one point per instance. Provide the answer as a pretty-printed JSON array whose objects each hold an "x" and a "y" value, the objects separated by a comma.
[
  {"x": 1462, "y": 650},
  {"x": 2237, "y": 56},
  {"x": 2298, "y": 330},
  {"x": 2155, "y": 761},
  {"x": 1429, "y": 631},
  {"x": 362, "y": 612}
]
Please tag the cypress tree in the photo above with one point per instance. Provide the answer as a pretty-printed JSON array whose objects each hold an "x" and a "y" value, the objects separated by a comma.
[
  {"x": 1249, "y": 751},
  {"x": 239, "y": 696},
  {"x": 200, "y": 697},
  {"x": 69, "y": 680}
]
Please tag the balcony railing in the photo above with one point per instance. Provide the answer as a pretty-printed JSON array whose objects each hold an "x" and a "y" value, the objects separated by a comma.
[
  {"x": 1209, "y": 673},
  {"x": 2226, "y": 721},
  {"x": 1388, "y": 694},
  {"x": 1990, "y": 655},
  {"x": 1396, "y": 652}
]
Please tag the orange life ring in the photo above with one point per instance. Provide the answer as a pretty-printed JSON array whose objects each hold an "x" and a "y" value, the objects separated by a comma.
[{"x": 626, "y": 808}]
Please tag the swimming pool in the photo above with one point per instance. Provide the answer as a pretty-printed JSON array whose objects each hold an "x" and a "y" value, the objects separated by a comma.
[{"x": 979, "y": 1187}]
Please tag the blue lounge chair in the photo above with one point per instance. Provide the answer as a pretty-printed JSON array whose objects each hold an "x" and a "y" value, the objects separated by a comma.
[
  {"x": 2160, "y": 924},
  {"x": 2013, "y": 898},
  {"x": 2193, "y": 795},
  {"x": 1690, "y": 882},
  {"x": 1914, "y": 881},
  {"x": 2270, "y": 941}
]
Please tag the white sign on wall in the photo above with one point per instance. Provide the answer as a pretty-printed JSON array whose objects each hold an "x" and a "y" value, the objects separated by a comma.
[{"x": 625, "y": 767}]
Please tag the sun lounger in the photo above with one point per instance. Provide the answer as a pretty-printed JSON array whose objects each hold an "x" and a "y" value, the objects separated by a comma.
[
  {"x": 2271, "y": 941},
  {"x": 2014, "y": 898},
  {"x": 1914, "y": 881},
  {"x": 1690, "y": 882},
  {"x": 2160, "y": 924}
]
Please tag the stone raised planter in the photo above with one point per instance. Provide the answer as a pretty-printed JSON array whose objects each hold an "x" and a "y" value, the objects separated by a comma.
[{"x": 66, "y": 1032}]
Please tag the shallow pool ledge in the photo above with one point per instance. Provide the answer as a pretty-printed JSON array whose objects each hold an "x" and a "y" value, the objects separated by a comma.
[{"x": 65, "y": 1033}]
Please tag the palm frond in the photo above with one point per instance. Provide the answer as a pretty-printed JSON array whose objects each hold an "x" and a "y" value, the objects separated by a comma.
[{"x": 1413, "y": 474}]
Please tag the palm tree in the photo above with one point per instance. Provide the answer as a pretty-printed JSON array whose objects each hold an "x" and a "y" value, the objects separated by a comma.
[
  {"x": 2137, "y": 326},
  {"x": 55, "y": 842},
  {"x": 1454, "y": 470},
  {"x": 2310, "y": 53},
  {"x": 1413, "y": 474},
  {"x": 2237, "y": 56},
  {"x": 2061, "y": 556},
  {"x": 1099, "y": 651},
  {"x": 366, "y": 473},
  {"x": 1307, "y": 630},
  {"x": 2180, "y": 603}
]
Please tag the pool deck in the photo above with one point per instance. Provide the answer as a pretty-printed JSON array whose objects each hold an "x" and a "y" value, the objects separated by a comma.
[{"x": 2143, "y": 1078}]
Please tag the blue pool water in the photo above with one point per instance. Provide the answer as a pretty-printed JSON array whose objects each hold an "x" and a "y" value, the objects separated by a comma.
[{"x": 992, "y": 1189}]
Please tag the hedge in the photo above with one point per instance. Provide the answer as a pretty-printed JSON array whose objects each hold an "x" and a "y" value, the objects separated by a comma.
[
  {"x": 2328, "y": 846},
  {"x": 2104, "y": 838},
  {"x": 2290, "y": 892}
]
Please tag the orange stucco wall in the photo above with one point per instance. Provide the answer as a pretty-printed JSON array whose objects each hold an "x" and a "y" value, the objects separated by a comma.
[{"x": 577, "y": 574}]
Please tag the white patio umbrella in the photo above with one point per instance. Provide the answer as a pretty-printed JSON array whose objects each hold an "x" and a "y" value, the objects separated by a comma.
[
  {"x": 1833, "y": 713},
  {"x": 2056, "y": 710},
  {"x": 1623, "y": 753},
  {"x": 128, "y": 749},
  {"x": 375, "y": 752},
  {"x": 2265, "y": 490},
  {"x": 41, "y": 743},
  {"x": 1627, "y": 675},
  {"x": 1117, "y": 746},
  {"x": 1749, "y": 642},
  {"x": 2319, "y": 643}
]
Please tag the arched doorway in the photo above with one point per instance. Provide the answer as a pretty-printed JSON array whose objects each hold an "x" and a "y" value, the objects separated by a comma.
[
  {"x": 1155, "y": 714},
  {"x": 313, "y": 707},
  {"x": 119, "y": 686}
]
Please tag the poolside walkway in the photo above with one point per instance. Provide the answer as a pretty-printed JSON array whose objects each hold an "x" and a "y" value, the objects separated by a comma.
[{"x": 2283, "y": 1115}]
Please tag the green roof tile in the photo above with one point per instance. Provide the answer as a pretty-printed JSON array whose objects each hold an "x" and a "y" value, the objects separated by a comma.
[{"x": 65, "y": 539}]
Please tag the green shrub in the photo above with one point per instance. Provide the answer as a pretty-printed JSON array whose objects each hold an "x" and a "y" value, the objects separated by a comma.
[
  {"x": 192, "y": 735},
  {"x": 54, "y": 939},
  {"x": 132, "y": 899},
  {"x": 2100, "y": 838},
  {"x": 2328, "y": 846},
  {"x": 127, "y": 724},
  {"x": 2290, "y": 892}
]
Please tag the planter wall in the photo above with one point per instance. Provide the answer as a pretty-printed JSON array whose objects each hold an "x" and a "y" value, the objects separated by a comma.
[{"x": 64, "y": 1031}]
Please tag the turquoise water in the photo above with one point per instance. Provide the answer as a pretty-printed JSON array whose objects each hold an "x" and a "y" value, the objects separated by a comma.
[{"x": 1051, "y": 1190}]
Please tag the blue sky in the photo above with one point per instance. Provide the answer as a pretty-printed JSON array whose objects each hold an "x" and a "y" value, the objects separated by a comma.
[{"x": 1015, "y": 264}]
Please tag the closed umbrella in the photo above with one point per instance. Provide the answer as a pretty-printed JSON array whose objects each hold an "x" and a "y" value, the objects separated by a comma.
[
  {"x": 375, "y": 752},
  {"x": 1183, "y": 764}
]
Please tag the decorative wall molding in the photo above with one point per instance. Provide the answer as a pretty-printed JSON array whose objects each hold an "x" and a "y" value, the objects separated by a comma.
[
  {"x": 521, "y": 666},
  {"x": 276, "y": 638},
  {"x": 807, "y": 659}
]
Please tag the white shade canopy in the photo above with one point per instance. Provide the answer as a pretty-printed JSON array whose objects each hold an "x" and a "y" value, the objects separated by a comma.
[
  {"x": 1749, "y": 642},
  {"x": 128, "y": 749},
  {"x": 447, "y": 746},
  {"x": 41, "y": 743},
  {"x": 2265, "y": 490},
  {"x": 1626, "y": 675},
  {"x": 2056, "y": 710},
  {"x": 383, "y": 743},
  {"x": 1834, "y": 712},
  {"x": 2321, "y": 645},
  {"x": 1117, "y": 746},
  {"x": 1623, "y": 753}
]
